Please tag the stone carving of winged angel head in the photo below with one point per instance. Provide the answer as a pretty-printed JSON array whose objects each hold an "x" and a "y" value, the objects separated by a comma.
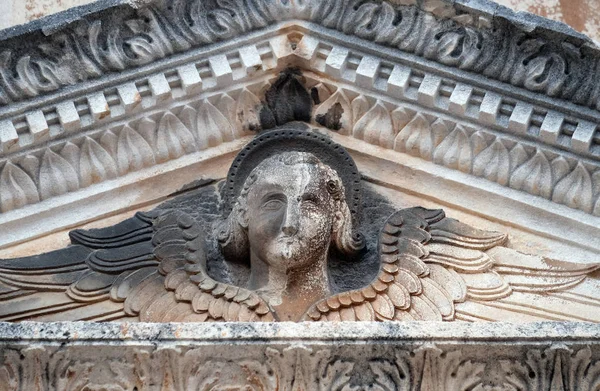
[{"x": 291, "y": 203}]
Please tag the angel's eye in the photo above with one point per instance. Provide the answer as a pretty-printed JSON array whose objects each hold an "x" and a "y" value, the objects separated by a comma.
[
  {"x": 310, "y": 199},
  {"x": 272, "y": 204}
]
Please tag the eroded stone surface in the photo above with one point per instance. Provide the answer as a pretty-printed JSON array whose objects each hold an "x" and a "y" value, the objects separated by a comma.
[{"x": 288, "y": 356}]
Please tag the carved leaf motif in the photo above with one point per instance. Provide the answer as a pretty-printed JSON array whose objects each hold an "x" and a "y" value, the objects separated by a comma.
[
  {"x": 400, "y": 118},
  {"x": 534, "y": 176},
  {"x": 212, "y": 127},
  {"x": 133, "y": 152},
  {"x": 560, "y": 168},
  {"x": 147, "y": 129},
  {"x": 320, "y": 93},
  {"x": 478, "y": 142},
  {"x": 227, "y": 375},
  {"x": 188, "y": 118},
  {"x": 531, "y": 374},
  {"x": 226, "y": 105},
  {"x": 173, "y": 139},
  {"x": 335, "y": 113},
  {"x": 390, "y": 375},
  {"x": 454, "y": 151},
  {"x": 360, "y": 105},
  {"x": 56, "y": 176},
  {"x": 95, "y": 164},
  {"x": 493, "y": 163},
  {"x": 518, "y": 156},
  {"x": 9, "y": 372},
  {"x": 71, "y": 154},
  {"x": 31, "y": 165},
  {"x": 17, "y": 189},
  {"x": 575, "y": 190},
  {"x": 584, "y": 372},
  {"x": 337, "y": 375},
  {"x": 416, "y": 138},
  {"x": 546, "y": 73},
  {"x": 596, "y": 181},
  {"x": 375, "y": 127},
  {"x": 109, "y": 141},
  {"x": 247, "y": 113}
]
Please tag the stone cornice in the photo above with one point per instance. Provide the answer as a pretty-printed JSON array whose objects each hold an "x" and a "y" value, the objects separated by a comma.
[
  {"x": 481, "y": 37},
  {"x": 288, "y": 356}
]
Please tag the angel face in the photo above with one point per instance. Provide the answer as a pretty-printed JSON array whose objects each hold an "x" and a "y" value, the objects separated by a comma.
[{"x": 290, "y": 215}]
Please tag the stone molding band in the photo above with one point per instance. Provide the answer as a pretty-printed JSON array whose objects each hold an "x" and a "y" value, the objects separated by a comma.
[
  {"x": 162, "y": 116},
  {"x": 479, "y": 37},
  {"x": 286, "y": 356}
]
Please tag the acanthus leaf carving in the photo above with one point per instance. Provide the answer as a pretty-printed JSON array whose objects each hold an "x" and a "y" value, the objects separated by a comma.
[
  {"x": 320, "y": 93},
  {"x": 133, "y": 152},
  {"x": 436, "y": 369},
  {"x": 9, "y": 371},
  {"x": 247, "y": 113},
  {"x": 575, "y": 190},
  {"x": 109, "y": 142},
  {"x": 415, "y": 138},
  {"x": 560, "y": 168},
  {"x": 31, "y": 165},
  {"x": 391, "y": 374},
  {"x": 243, "y": 374},
  {"x": 518, "y": 156},
  {"x": 70, "y": 152},
  {"x": 336, "y": 113},
  {"x": 360, "y": 105},
  {"x": 375, "y": 126},
  {"x": 337, "y": 375},
  {"x": 34, "y": 364},
  {"x": 95, "y": 163},
  {"x": 455, "y": 150},
  {"x": 57, "y": 176},
  {"x": 479, "y": 142},
  {"x": 173, "y": 139},
  {"x": 227, "y": 106},
  {"x": 147, "y": 129},
  {"x": 68, "y": 371},
  {"x": 17, "y": 189},
  {"x": 372, "y": 366},
  {"x": 493, "y": 163},
  {"x": 435, "y": 30},
  {"x": 534, "y": 176},
  {"x": 596, "y": 182},
  {"x": 212, "y": 128}
]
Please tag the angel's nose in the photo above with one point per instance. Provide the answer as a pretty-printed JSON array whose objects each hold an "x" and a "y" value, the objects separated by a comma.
[{"x": 291, "y": 220}]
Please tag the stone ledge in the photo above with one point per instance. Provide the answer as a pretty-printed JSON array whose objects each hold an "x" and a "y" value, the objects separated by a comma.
[
  {"x": 302, "y": 332},
  {"x": 415, "y": 356}
]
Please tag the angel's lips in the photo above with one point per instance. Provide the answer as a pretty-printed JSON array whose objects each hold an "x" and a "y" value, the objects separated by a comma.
[{"x": 289, "y": 245}]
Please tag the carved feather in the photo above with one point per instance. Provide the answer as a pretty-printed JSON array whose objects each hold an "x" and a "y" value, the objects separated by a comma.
[
  {"x": 436, "y": 268},
  {"x": 151, "y": 267}
]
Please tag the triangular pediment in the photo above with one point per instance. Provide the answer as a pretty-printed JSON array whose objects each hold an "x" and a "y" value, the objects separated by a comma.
[
  {"x": 424, "y": 100},
  {"x": 128, "y": 106}
]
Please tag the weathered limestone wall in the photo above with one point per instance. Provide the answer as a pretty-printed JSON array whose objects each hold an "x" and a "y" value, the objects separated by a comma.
[
  {"x": 583, "y": 15},
  {"x": 13, "y": 12}
]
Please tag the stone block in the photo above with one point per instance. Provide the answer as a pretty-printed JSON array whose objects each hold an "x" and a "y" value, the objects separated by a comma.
[{"x": 221, "y": 69}]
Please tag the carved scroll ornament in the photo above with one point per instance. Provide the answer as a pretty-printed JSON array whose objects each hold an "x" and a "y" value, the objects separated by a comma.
[{"x": 292, "y": 202}]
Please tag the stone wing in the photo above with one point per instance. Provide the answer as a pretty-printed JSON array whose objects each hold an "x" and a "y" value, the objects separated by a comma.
[
  {"x": 437, "y": 268},
  {"x": 151, "y": 267}
]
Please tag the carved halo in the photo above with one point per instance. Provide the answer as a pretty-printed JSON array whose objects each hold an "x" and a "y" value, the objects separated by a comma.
[{"x": 289, "y": 139}]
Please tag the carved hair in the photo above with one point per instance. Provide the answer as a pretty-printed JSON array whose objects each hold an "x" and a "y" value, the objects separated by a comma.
[{"x": 232, "y": 232}]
